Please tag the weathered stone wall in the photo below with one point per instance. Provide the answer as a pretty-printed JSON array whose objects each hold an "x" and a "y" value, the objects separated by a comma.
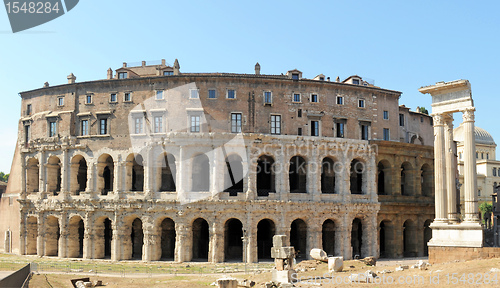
[{"x": 450, "y": 254}]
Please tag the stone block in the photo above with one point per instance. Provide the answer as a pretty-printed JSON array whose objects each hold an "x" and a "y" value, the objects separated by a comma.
[
  {"x": 282, "y": 276},
  {"x": 335, "y": 264},
  {"x": 227, "y": 283},
  {"x": 319, "y": 254},
  {"x": 283, "y": 253},
  {"x": 279, "y": 241}
]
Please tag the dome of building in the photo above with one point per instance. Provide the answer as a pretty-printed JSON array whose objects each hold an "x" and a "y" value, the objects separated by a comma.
[{"x": 482, "y": 136}]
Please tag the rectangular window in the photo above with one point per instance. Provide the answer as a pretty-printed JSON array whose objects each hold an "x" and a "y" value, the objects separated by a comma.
[
  {"x": 52, "y": 128},
  {"x": 195, "y": 123},
  {"x": 421, "y": 119},
  {"x": 401, "y": 120},
  {"x": 299, "y": 113},
  {"x": 361, "y": 103},
  {"x": 211, "y": 94},
  {"x": 231, "y": 94},
  {"x": 127, "y": 97},
  {"x": 295, "y": 76},
  {"x": 194, "y": 94},
  {"x": 60, "y": 101},
  {"x": 314, "y": 128},
  {"x": 159, "y": 94},
  {"x": 27, "y": 133},
  {"x": 112, "y": 97},
  {"x": 88, "y": 99},
  {"x": 387, "y": 135},
  {"x": 138, "y": 125},
  {"x": 296, "y": 97},
  {"x": 314, "y": 98},
  {"x": 168, "y": 73},
  {"x": 276, "y": 124},
  {"x": 267, "y": 97},
  {"x": 365, "y": 132},
  {"x": 28, "y": 109},
  {"x": 235, "y": 122},
  {"x": 339, "y": 127},
  {"x": 158, "y": 124},
  {"x": 103, "y": 126},
  {"x": 122, "y": 75},
  {"x": 299, "y": 131},
  {"x": 85, "y": 127},
  {"x": 340, "y": 100},
  {"x": 355, "y": 81},
  {"x": 386, "y": 115}
]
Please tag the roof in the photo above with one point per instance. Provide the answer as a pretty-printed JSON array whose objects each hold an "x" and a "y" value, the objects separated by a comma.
[
  {"x": 3, "y": 183},
  {"x": 482, "y": 136}
]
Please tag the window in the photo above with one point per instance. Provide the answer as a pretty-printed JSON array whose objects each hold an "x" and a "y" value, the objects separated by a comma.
[
  {"x": 314, "y": 98},
  {"x": 276, "y": 124},
  {"x": 168, "y": 73},
  {"x": 295, "y": 76},
  {"x": 478, "y": 192},
  {"x": 112, "y": 97},
  {"x": 365, "y": 132},
  {"x": 158, "y": 124},
  {"x": 361, "y": 103},
  {"x": 88, "y": 99},
  {"x": 460, "y": 155},
  {"x": 122, "y": 75},
  {"x": 355, "y": 81},
  {"x": 339, "y": 127},
  {"x": 103, "y": 126},
  {"x": 314, "y": 128},
  {"x": 387, "y": 135},
  {"x": 195, "y": 123},
  {"x": 386, "y": 115},
  {"x": 85, "y": 127},
  {"x": 138, "y": 125},
  {"x": 159, "y": 94},
  {"x": 27, "y": 133},
  {"x": 487, "y": 155},
  {"x": 194, "y": 94},
  {"x": 267, "y": 97},
  {"x": 477, "y": 155},
  {"x": 52, "y": 128},
  {"x": 235, "y": 122},
  {"x": 482, "y": 155},
  {"x": 299, "y": 131},
  {"x": 231, "y": 94},
  {"x": 211, "y": 94},
  {"x": 494, "y": 171},
  {"x": 421, "y": 119},
  {"x": 401, "y": 120},
  {"x": 60, "y": 101},
  {"x": 296, "y": 97},
  {"x": 127, "y": 97},
  {"x": 299, "y": 113},
  {"x": 340, "y": 100}
]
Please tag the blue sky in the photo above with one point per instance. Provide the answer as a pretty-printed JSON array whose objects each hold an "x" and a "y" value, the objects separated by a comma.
[{"x": 402, "y": 45}]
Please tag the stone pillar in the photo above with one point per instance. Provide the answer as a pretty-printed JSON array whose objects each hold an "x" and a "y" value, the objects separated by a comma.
[
  {"x": 64, "y": 235},
  {"x": 180, "y": 166},
  {"x": 450, "y": 170},
  {"x": 88, "y": 237},
  {"x": 251, "y": 179},
  {"x": 90, "y": 177},
  {"x": 346, "y": 231},
  {"x": 147, "y": 247},
  {"x": 182, "y": 247},
  {"x": 216, "y": 246},
  {"x": 314, "y": 175},
  {"x": 116, "y": 176},
  {"x": 216, "y": 177},
  {"x": 117, "y": 242},
  {"x": 470, "y": 184},
  {"x": 440, "y": 169},
  {"x": 40, "y": 241},
  {"x": 23, "y": 178},
  {"x": 313, "y": 237},
  {"x": 42, "y": 180},
  {"x": 64, "y": 173}
]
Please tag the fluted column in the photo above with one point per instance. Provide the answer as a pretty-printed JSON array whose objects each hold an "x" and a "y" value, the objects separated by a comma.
[
  {"x": 440, "y": 169},
  {"x": 470, "y": 184},
  {"x": 450, "y": 169}
]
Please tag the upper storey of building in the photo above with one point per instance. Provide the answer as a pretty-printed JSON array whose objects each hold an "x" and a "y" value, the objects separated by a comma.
[{"x": 158, "y": 99}]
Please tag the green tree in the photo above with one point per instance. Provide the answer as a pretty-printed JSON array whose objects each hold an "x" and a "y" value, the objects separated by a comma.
[
  {"x": 4, "y": 177},
  {"x": 485, "y": 207},
  {"x": 423, "y": 110}
]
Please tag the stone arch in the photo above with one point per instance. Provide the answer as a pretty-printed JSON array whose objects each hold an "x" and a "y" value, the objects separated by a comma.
[
  {"x": 328, "y": 176},
  {"x": 233, "y": 244},
  {"x": 31, "y": 235},
  {"x": 52, "y": 235},
  {"x": 357, "y": 238},
  {"x": 407, "y": 187},
  {"x": 78, "y": 175},
  {"x": 298, "y": 238},
  {"x": 32, "y": 175},
  {"x": 265, "y": 175},
  {"x": 427, "y": 180},
  {"x": 103, "y": 237},
  {"x": 386, "y": 239},
  {"x": 166, "y": 173},
  {"x": 409, "y": 239},
  {"x": 76, "y": 230},
  {"x": 105, "y": 174},
  {"x": 358, "y": 184},
  {"x": 167, "y": 239},
  {"x": 135, "y": 172},
  {"x": 384, "y": 178},
  {"x": 200, "y": 177},
  {"x": 297, "y": 175},
  {"x": 201, "y": 239},
  {"x": 328, "y": 232},
  {"x": 233, "y": 174},
  {"x": 427, "y": 235},
  {"x": 266, "y": 229},
  {"x": 416, "y": 139},
  {"x": 54, "y": 175}
]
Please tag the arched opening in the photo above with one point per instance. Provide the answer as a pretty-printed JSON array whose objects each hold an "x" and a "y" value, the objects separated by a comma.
[
  {"x": 52, "y": 235},
  {"x": 382, "y": 243},
  {"x": 103, "y": 238},
  {"x": 328, "y": 237},
  {"x": 32, "y": 175},
  {"x": 135, "y": 172},
  {"x": 200, "y": 177},
  {"x": 168, "y": 172},
  {"x": 137, "y": 239},
  {"x": 265, "y": 232},
  {"x": 233, "y": 244},
  {"x": 409, "y": 239},
  {"x": 75, "y": 237},
  {"x": 167, "y": 239},
  {"x": 54, "y": 175},
  {"x": 31, "y": 235},
  {"x": 327, "y": 176},
  {"x": 78, "y": 181},
  {"x": 427, "y": 180},
  {"x": 406, "y": 177},
  {"x": 383, "y": 178},
  {"x": 105, "y": 174},
  {"x": 386, "y": 236},
  {"x": 357, "y": 177},
  {"x": 297, "y": 175},
  {"x": 265, "y": 175},
  {"x": 298, "y": 238},
  {"x": 201, "y": 240},
  {"x": 427, "y": 236},
  {"x": 356, "y": 237},
  {"x": 233, "y": 175}
]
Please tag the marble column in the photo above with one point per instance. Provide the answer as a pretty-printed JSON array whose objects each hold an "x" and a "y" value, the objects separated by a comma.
[
  {"x": 470, "y": 184},
  {"x": 450, "y": 170},
  {"x": 440, "y": 169}
]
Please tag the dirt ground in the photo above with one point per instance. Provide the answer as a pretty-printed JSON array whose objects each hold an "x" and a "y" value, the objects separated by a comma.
[{"x": 474, "y": 273}]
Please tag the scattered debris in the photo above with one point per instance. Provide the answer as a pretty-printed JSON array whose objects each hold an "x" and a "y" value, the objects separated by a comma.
[
  {"x": 384, "y": 271},
  {"x": 361, "y": 278},
  {"x": 370, "y": 261},
  {"x": 246, "y": 283},
  {"x": 227, "y": 282},
  {"x": 495, "y": 270}
]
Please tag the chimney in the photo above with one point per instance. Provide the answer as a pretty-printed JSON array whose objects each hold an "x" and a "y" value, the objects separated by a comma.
[
  {"x": 328, "y": 79},
  {"x": 71, "y": 78},
  {"x": 177, "y": 67},
  {"x": 163, "y": 62},
  {"x": 110, "y": 73},
  {"x": 257, "y": 69},
  {"x": 124, "y": 64},
  {"x": 143, "y": 63},
  {"x": 46, "y": 84},
  {"x": 338, "y": 79}
]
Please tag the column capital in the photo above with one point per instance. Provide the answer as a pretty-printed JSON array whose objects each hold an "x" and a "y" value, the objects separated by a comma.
[
  {"x": 438, "y": 119},
  {"x": 468, "y": 114}
]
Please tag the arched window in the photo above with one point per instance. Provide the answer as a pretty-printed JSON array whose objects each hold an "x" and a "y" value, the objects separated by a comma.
[{"x": 494, "y": 171}]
